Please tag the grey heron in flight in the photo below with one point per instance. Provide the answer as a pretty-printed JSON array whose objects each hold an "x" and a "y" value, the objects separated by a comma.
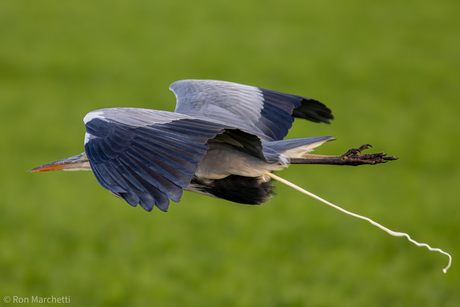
[{"x": 223, "y": 140}]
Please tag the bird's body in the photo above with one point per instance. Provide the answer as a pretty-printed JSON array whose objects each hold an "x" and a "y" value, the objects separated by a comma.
[{"x": 223, "y": 140}]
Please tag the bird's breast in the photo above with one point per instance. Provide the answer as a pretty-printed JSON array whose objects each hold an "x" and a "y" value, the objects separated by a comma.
[{"x": 222, "y": 160}]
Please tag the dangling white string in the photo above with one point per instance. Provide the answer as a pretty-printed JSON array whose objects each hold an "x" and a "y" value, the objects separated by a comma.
[{"x": 393, "y": 233}]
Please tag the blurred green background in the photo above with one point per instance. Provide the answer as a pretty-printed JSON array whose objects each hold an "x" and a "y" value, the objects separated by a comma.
[{"x": 390, "y": 71}]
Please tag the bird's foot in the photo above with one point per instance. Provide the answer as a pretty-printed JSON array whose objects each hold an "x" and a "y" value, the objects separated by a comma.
[{"x": 354, "y": 156}]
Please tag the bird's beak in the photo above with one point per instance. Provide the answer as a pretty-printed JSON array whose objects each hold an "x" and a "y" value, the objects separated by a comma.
[{"x": 75, "y": 163}]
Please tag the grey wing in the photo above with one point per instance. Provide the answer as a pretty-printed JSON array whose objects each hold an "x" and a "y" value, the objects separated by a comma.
[
  {"x": 265, "y": 113},
  {"x": 145, "y": 156}
]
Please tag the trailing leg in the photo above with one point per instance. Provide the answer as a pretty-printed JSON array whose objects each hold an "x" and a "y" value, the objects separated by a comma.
[{"x": 351, "y": 157}]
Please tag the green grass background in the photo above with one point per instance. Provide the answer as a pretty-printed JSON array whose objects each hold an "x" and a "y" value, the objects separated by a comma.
[{"x": 390, "y": 71}]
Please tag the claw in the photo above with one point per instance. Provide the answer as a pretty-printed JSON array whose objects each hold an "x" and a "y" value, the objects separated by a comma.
[
  {"x": 354, "y": 156},
  {"x": 365, "y": 146},
  {"x": 351, "y": 152},
  {"x": 390, "y": 158}
]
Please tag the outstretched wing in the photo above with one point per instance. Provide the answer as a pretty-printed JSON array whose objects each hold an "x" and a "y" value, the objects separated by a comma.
[
  {"x": 146, "y": 156},
  {"x": 265, "y": 113}
]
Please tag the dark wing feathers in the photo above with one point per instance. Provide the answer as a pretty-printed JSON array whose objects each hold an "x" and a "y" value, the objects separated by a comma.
[
  {"x": 314, "y": 111},
  {"x": 297, "y": 106},
  {"x": 147, "y": 164},
  {"x": 276, "y": 119}
]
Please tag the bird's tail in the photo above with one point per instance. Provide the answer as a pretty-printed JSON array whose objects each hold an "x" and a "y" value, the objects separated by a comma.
[{"x": 285, "y": 150}]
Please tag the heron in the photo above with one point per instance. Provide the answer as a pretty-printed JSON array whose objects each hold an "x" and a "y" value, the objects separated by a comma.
[{"x": 223, "y": 140}]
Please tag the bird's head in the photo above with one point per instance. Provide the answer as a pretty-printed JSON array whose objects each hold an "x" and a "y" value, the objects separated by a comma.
[{"x": 76, "y": 163}]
